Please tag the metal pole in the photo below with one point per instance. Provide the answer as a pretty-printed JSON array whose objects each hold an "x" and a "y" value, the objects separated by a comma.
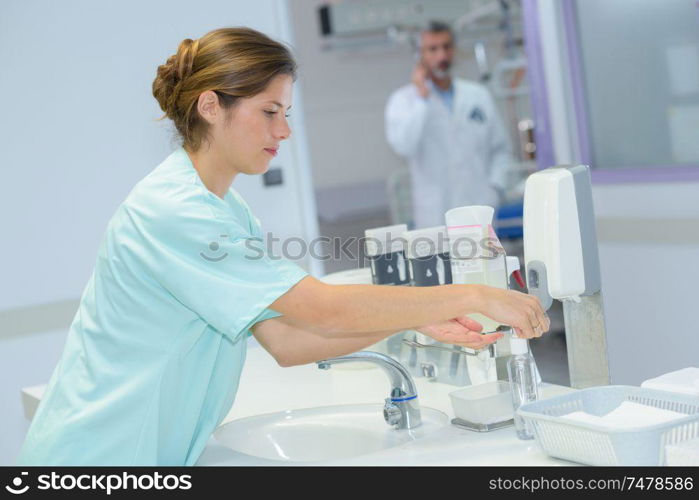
[{"x": 586, "y": 341}]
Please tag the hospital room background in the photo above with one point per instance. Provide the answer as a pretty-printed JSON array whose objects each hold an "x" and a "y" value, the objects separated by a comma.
[{"x": 613, "y": 84}]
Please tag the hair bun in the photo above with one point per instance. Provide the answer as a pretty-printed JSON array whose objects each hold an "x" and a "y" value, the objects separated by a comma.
[{"x": 172, "y": 76}]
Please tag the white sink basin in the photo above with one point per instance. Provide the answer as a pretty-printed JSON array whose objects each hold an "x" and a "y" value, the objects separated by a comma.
[{"x": 321, "y": 434}]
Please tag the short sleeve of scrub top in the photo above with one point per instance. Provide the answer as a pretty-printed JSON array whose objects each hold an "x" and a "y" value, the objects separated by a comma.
[
  {"x": 154, "y": 353},
  {"x": 211, "y": 264}
]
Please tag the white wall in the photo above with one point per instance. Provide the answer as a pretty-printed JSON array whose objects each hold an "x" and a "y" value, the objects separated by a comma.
[
  {"x": 345, "y": 96},
  {"x": 648, "y": 242},
  {"x": 79, "y": 129},
  {"x": 26, "y": 361}
]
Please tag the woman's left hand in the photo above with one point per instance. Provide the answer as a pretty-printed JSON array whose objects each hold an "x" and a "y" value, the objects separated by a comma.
[{"x": 462, "y": 331}]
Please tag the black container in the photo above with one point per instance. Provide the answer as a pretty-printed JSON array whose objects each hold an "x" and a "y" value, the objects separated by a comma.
[
  {"x": 384, "y": 248},
  {"x": 428, "y": 256},
  {"x": 431, "y": 270}
]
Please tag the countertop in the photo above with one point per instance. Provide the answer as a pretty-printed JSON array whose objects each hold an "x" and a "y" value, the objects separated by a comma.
[{"x": 266, "y": 387}]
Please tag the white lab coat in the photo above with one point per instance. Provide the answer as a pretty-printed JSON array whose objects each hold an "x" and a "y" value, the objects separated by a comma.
[{"x": 455, "y": 158}]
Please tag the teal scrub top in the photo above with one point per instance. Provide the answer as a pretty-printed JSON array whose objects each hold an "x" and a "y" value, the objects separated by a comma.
[{"x": 153, "y": 357}]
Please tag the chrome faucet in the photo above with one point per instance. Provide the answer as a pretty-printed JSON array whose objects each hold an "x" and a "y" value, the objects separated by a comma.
[{"x": 401, "y": 409}]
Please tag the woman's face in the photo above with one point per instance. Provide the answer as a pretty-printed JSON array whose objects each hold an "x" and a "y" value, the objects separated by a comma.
[{"x": 248, "y": 135}]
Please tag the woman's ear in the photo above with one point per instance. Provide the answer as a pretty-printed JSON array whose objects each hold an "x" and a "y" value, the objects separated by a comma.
[{"x": 208, "y": 106}]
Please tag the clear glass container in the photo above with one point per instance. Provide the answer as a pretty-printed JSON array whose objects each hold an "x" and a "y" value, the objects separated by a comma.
[{"x": 521, "y": 371}]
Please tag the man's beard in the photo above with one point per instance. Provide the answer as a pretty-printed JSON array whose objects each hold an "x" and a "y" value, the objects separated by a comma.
[{"x": 441, "y": 72}]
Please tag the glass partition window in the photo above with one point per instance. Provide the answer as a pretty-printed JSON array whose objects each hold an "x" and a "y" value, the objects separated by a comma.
[{"x": 638, "y": 77}]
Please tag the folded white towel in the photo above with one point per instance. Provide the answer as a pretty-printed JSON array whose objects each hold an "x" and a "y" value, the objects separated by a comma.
[
  {"x": 628, "y": 415},
  {"x": 684, "y": 381},
  {"x": 581, "y": 416}
]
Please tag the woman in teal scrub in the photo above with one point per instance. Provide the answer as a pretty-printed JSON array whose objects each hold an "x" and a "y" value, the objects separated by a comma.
[{"x": 154, "y": 354}]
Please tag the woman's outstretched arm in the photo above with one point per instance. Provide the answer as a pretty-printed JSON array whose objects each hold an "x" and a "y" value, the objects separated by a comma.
[
  {"x": 377, "y": 308},
  {"x": 291, "y": 344}
]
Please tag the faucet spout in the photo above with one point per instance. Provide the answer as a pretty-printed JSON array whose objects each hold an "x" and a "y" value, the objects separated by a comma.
[{"x": 401, "y": 409}]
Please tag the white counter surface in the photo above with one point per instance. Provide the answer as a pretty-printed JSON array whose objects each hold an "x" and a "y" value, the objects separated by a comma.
[{"x": 265, "y": 387}]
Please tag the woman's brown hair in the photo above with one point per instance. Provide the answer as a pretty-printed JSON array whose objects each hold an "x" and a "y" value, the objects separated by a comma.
[{"x": 233, "y": 62}]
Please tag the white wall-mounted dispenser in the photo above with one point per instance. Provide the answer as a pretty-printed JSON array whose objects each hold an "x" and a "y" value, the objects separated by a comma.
[{"x": 562, "y": 262}]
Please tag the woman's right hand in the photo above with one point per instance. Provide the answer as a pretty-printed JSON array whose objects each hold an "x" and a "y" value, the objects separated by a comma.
[{"x": 508, "y": 307}]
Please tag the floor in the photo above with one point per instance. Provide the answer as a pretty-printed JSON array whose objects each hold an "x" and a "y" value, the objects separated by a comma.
[{"x": 549, "y": 350}]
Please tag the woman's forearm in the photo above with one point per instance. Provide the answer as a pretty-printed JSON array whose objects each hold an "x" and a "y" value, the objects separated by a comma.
[
  {"x": 372, "y": 308},
  {"x": 292, "y": 345},
  {"x": 369, "y": 308}
]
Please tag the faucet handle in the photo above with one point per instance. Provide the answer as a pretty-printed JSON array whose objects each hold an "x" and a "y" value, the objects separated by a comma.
[{"x": 391, "y": 413}]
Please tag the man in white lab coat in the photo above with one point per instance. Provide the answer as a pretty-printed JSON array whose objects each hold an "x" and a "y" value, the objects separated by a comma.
[{"x": 449, "y": 131}]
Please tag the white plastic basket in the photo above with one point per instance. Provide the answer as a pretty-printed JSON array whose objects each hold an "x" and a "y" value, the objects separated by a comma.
[
  {"x": 592, "y": 444},
  {"x": 685, "y": 453}
]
